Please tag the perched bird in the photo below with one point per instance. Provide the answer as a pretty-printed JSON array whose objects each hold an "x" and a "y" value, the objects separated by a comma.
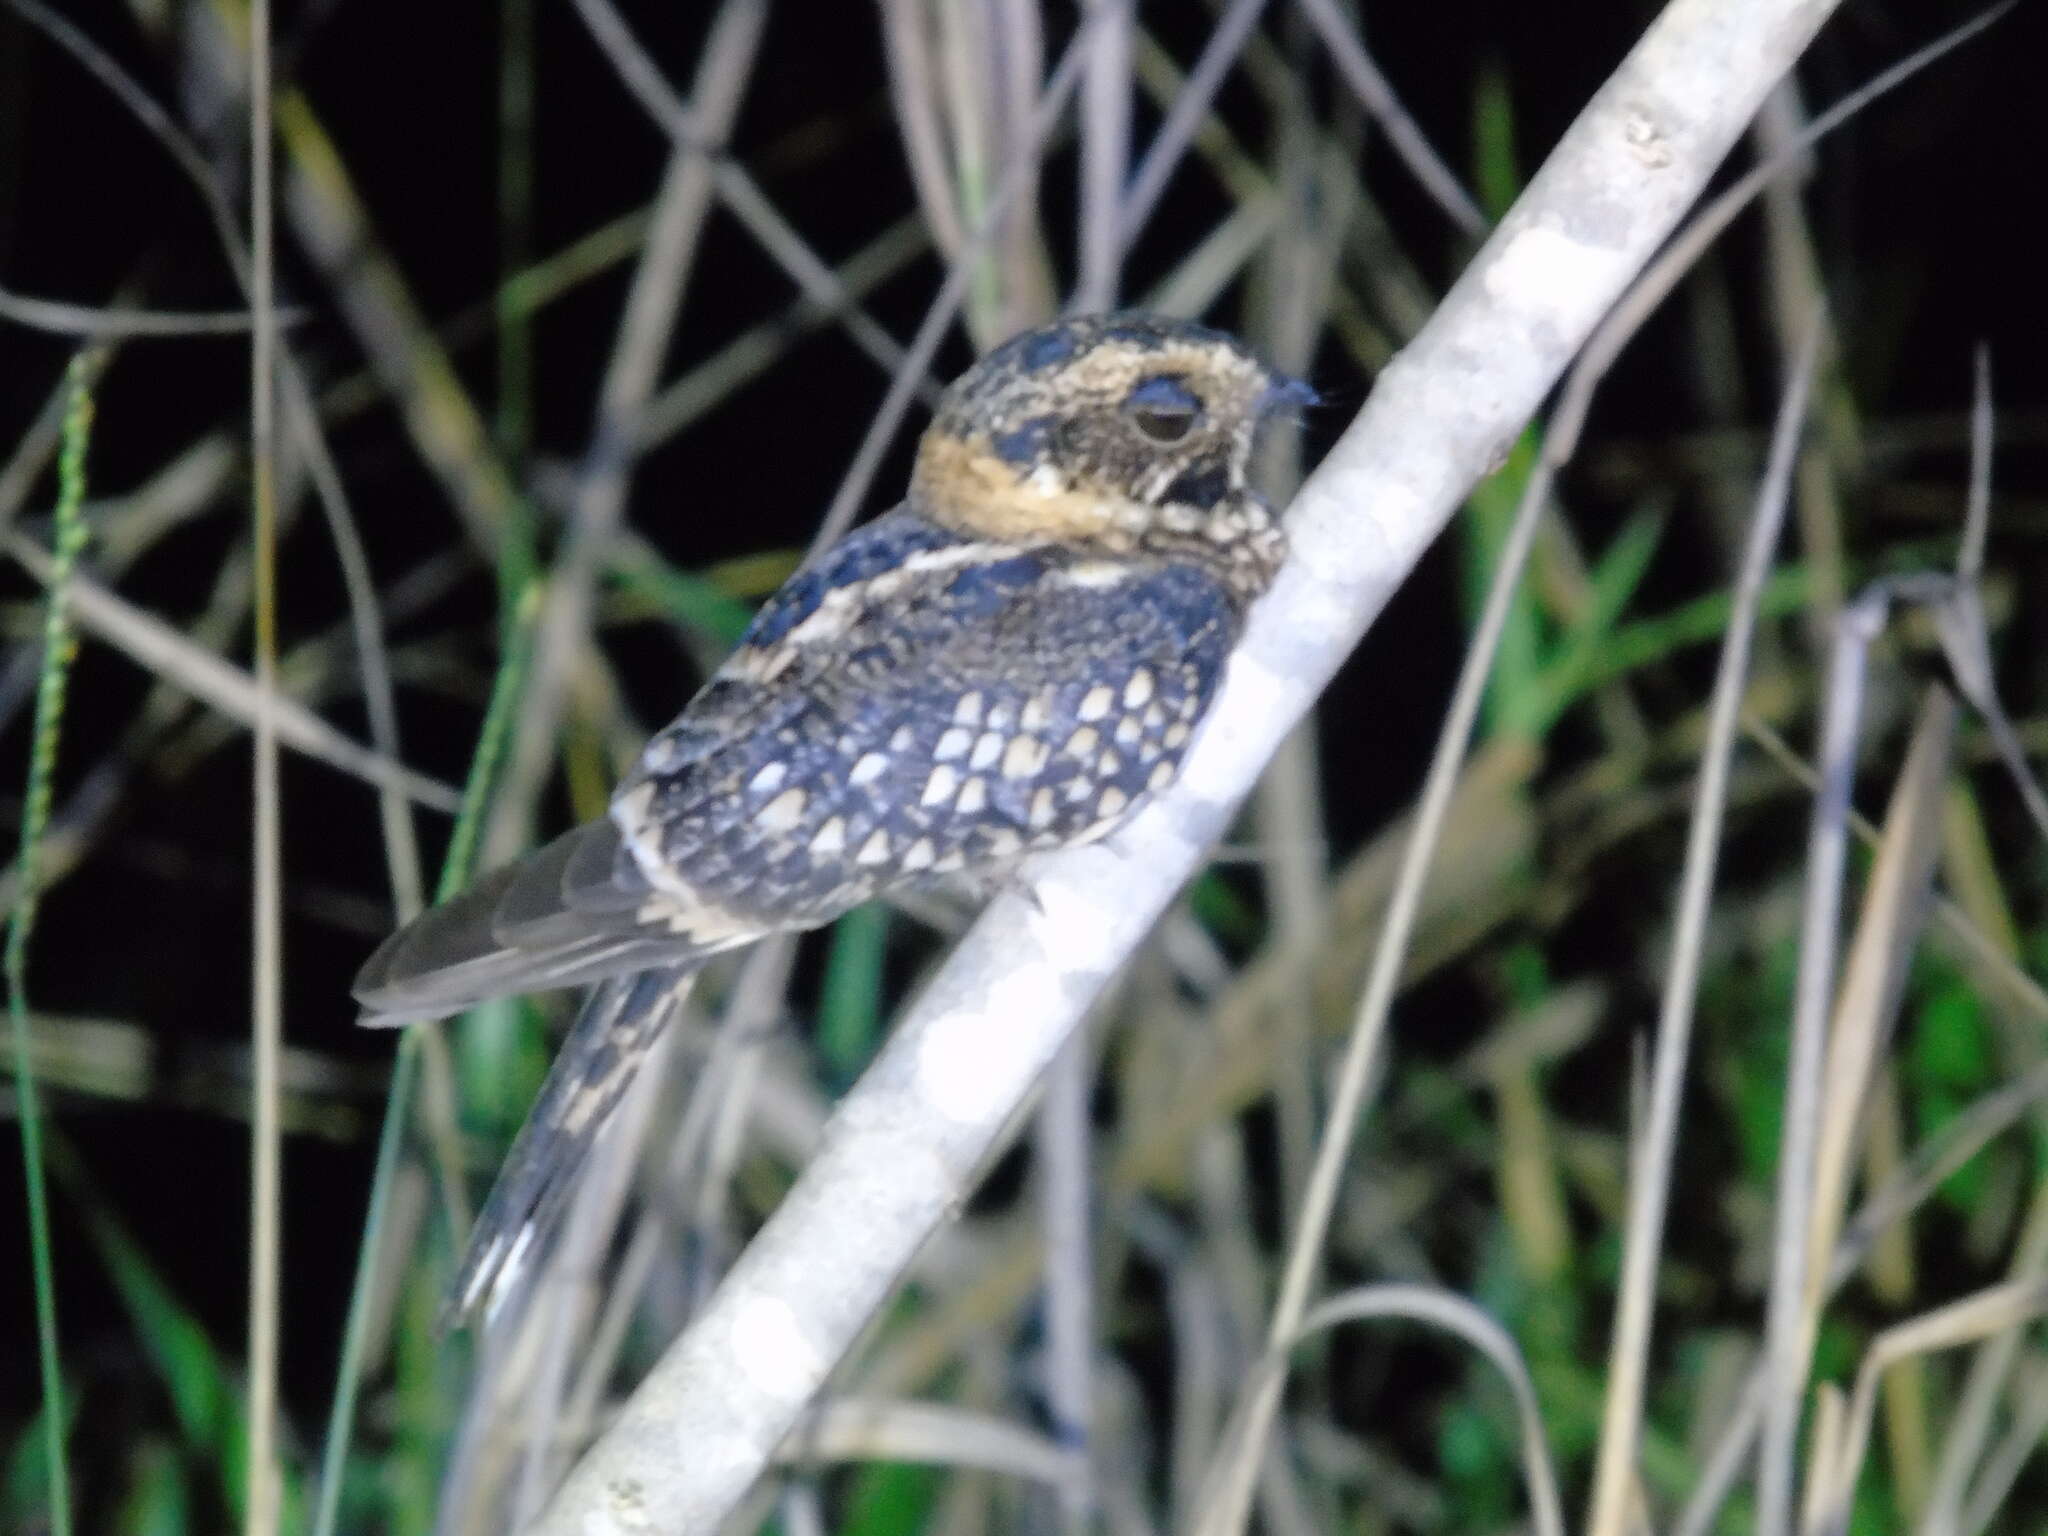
[{"x": 1010, "y": 661}]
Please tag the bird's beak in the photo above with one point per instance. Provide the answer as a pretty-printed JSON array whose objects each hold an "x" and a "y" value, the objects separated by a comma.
[{"x": 1287, "y": 394}]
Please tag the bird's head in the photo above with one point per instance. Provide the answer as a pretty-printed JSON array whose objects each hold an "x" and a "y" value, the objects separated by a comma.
[{"x": 1120, "y": 430}]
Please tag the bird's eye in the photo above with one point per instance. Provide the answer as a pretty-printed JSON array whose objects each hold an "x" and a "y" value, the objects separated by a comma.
[{"x": 1163, "y": 409}]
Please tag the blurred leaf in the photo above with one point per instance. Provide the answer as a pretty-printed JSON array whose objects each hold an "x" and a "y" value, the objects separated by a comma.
[
  {"x": 1648, "y": 641},
  {"x": 158, "y": 1502},
  {"x": 205, "y": 1395},
  {"x": 1219, "y": 908},
  {"x": 1615, "y": 581},
  {"x": 1513, "y": 699},
  {"x": 850, "y": 1008},
  {"x": 1950, "y": 1046},
  {"x": 428, "y": 1388},
  {"x": 1478, "y": 1464},
  {"x": 1949, "y": 1061},
  {"x": 26, "y": 1494},
  {"x": 687, "y": 598},
  {"x": 889, "y": 1499},
  {"x": 1497, "y": 174}
]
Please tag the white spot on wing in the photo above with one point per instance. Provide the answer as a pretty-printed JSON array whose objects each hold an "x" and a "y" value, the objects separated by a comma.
[
  {"x": 1041, "y": 810},
  {"x": 783, "y": 812},
  {"x": 938, "y": 789},
  {"x": 1024, "y": 758}
]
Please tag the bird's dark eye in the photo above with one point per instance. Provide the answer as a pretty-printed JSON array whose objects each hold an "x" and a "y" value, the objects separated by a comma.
[{"x": 1163, "y": 408}]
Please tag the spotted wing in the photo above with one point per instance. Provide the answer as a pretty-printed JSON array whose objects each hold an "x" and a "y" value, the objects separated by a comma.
[{"x": 947, "y": 710}]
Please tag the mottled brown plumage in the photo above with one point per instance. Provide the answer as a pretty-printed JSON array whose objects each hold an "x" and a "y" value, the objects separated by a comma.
[{"x": 1010, "y": 661}]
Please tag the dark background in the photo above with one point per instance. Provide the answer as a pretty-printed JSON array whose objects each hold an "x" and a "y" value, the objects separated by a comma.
[{"x": 1923, "y": 207}]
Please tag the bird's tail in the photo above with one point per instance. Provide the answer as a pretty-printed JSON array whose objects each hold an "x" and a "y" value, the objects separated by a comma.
[
  {"x": 618, "y": 1025},
  {"x": 566, "y": 915}
]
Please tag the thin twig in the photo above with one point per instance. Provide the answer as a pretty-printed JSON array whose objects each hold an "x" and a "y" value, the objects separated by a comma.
[
  {"x": 1650, "y": 1176},
  {"x": 267, "y": 952},
  {"x": 1105, "y": 154},
  {"x": 1787, "y": 1344},
  {"x": 906, "y": 48},
  {"x": 1377, "y": 96},
  {"x": 109, "y": 324},
  {"x": 938, "y": 319},
  {"x": 163, "y": 651},
  {"x": 1184, "y": 116},
  {"x": 739, "y": 191},
  {"x": 1454, "y": 1314},
  {"x": 1063, "y": 1143},
  {"x": 641, "y": 342},
  {"x": 1996, "y": 1310},
  {"x": 402, "y": 855},
  {"x": 1227, "y": 1508}
]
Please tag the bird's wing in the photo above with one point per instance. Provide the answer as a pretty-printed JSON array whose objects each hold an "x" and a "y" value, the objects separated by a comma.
[{"x": 961, "y": 707}]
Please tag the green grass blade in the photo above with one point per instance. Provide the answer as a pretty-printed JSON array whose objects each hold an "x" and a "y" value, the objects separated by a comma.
[
  {"x": 205, "y": 1392},
  {"x": 455, "y": 873},
  {"x": 25, "y": 1473},
  {"x": 1614, "y": 585},
  {"x": 1512, "y": 694},
  {"x": 157, "y": 1502},
  {"x": 850, "y": 1009},
  {"x": 690, "y": 598},
  {"x": 59, "y": 646},
  {"x": 1497, "y": 173},
  {"x": 1647, "y": 642}
]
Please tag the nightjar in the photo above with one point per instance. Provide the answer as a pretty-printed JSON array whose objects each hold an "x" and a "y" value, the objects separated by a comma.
[{"x": 1010, "y": 661}]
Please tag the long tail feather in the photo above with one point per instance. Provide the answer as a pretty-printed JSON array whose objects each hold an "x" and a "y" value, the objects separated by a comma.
[{"x": 618, "y": 1025}]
